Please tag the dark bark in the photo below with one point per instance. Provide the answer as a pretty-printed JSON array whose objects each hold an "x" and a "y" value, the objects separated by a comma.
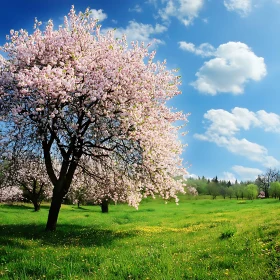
[
  {"x": 53, "y": 212},
  {"x": 61, "y": 183},
  {"x": 105, "y": 206},
  {"x": 48, "y": 162},
  {"x": 266, "y": 193},
  {"x": 60, "y": 190},
  {"x": 37, "y": 206}
]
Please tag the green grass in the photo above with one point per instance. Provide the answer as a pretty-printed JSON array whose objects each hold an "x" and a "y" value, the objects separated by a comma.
[{"x": 198, "y": 239}]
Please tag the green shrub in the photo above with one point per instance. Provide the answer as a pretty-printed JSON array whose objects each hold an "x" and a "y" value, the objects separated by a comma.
[{"x": 227, "y": 233}]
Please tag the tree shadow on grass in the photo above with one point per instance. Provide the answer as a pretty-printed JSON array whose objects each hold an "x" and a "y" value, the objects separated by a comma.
[
  {"x": 16, "y": 206},
  {"x": 65, "y": 235},
  {"x": 81, "y": 208}
]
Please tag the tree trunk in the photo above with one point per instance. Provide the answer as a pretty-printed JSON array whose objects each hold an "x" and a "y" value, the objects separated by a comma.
[
  {"x": 37, "y": 206},
  {"x": 61, "y": 184},
  {"x": 105, "y": 206},
  {"x": 53, "y": 213},
  {"x": 266, "y": 193}
]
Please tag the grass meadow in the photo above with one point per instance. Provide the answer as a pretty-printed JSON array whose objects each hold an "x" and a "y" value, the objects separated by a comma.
[{"x": 198, "y": 239}]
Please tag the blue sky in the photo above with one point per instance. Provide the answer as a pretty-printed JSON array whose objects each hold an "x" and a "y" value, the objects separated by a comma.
[{"x": 228, "y": 53}]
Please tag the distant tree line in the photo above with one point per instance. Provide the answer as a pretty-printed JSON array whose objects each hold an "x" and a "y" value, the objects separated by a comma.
[
  {"x": 266, "y": 185},
  {"x": 18, "y": 183}
]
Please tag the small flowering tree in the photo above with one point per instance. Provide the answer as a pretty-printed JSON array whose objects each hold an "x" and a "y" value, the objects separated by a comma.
[
  {"x": 261, "y": 194},
  {"x": 10, "y": 194},
  {"x": 27, "y": 173},
  {"x": 32, "y": 178},
  {"x": 74, "y": 93},
  {"x": 104, "y": 181},
  {"x": 192, "y": 190}
]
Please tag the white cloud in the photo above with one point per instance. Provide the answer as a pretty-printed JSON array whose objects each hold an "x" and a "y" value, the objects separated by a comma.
[
  {"x": 271, "y": 162},
  {"x": 98, "y": 14},
  {"x": 160, "y": 28},
  {"x": 228, "y": 123},
  {"x": 139, "y": 32},
  {"x": 203, "y": 50},
  {"x": 190, "y": 47},
  {"x": 227, "y": 176},
  {"x": 193, "y": 176},
  {"x": 269, "y": 121},
  {"x": 184, "y": 10},
  {"x": 250, "y": 150},
  {"x": 225, "y": 125},
  {"x": 136, "y": 9},
  {"x": 243, "y": 7},
  {"x": 233, "y": 66},
  {"x": 242, "y": 147},
  {"x": 246, "y": 173}
]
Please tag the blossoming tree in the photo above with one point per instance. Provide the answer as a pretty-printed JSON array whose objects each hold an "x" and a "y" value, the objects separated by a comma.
[
  {"x": 10, "y": 194},
  {"x": 75, "y": 93},
  {"x": 24, "y": 171},
  {"x": 102, "y": 182}
]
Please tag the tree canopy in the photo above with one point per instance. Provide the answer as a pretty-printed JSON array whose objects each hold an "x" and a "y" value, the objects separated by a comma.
[{"x": 77, "y": 95}]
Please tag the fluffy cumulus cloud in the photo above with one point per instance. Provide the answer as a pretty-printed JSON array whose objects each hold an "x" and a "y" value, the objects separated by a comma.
[
  {"x": 223, "y": 127},
  {"x": 246, "y": 173},
  {"x": 136, "y": 31},
  {"x": 233, "y": 65},
  {"x": 243, "y": 7},
  {"x": 98, "y": 14},
  {"x": 184, "y": 10},
  {"x": 227, "y": 123}
]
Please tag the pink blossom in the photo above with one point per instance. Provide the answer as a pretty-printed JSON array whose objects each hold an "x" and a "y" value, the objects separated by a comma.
[{"x": 104, "y": 104}]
